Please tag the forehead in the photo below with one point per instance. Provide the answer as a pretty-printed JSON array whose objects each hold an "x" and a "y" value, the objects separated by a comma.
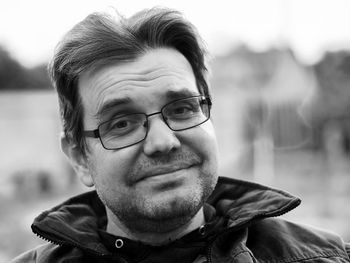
[{"x": 151, "y": 77}]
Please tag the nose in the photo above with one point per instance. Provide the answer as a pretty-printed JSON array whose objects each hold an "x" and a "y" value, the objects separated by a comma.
[{"x": 160, "y": 138}]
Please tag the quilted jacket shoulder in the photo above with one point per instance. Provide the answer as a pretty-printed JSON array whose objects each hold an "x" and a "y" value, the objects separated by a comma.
[{"x": 291, "y": 242}]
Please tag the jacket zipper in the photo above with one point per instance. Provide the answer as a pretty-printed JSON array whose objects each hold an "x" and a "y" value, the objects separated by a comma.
[
  {"x": 209, "y": 253},
  {"x": 50, "y": 238}
]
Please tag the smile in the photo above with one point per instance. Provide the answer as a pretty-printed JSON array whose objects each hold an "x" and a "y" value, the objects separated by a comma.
[{"x": 166, "y": 172}]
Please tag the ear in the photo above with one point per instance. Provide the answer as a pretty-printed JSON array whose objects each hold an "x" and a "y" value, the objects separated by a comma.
[{"x": 78, "y": 161}]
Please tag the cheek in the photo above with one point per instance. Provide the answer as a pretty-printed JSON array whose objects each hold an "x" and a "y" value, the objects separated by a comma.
[
  {"x": 203, "y": 140},
  {"x": 108, "y": 166},
  {"x": 209, "y": 130},
  {"x": 207, "y": 136}
]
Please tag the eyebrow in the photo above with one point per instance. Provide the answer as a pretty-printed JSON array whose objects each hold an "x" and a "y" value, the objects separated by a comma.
[
  {"x": 169, "y": 95},
  {"x": 111, "y": 104},
  {"x": 179, "y": 94}
]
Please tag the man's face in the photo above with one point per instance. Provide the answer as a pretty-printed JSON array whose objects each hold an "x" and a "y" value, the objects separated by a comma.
[{"x": 171, "y": 173}]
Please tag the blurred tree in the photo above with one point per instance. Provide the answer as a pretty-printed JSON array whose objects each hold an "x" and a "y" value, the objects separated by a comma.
[
  {"x": 333, "y": 75},
  {"x": 13, "y": 76},
  {"x": 329, "y": 105},
  {"x": 11, "y": 72},
  {"x": 37, "y": 77}
]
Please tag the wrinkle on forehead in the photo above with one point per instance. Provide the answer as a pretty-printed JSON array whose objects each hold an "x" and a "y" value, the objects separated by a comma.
[
  {"x": 157, "y": 69},
  {"x": 129, "y": 81},
  {"x": 144, "y": 67},
  {"x": 142, "y": 79}
]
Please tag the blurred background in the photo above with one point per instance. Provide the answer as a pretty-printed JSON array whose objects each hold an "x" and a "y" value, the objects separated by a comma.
[{"x": 280, "y": 78}]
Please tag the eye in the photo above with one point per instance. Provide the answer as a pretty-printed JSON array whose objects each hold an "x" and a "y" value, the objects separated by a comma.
[
  {"x": 122, "y": 125},
  {"x": 182, "y": 110}
]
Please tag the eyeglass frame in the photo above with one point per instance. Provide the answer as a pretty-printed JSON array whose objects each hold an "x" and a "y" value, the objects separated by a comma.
[{"x": 96, "y": 133}]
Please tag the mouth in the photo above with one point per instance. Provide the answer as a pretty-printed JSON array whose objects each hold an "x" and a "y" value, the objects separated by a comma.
[{"x": 171, "y": 171}]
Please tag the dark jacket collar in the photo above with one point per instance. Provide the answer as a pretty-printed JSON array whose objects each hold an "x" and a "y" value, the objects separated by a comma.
[
  {"x": 76, "y": 221},
  {"x": 243, "y": 201}
]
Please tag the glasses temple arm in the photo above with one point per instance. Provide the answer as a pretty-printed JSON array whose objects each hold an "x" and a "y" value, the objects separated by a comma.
[{"x": 93, "y": 133}]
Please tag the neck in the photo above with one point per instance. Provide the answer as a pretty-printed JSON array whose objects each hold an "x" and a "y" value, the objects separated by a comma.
[{"x": 115, "y": 227}]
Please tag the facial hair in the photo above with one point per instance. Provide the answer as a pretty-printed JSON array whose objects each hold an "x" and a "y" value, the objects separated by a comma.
[{"x": 142, "y": 215}]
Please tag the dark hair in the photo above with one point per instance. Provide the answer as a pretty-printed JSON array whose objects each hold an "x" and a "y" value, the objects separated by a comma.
[{"x": 101, "y": 39}]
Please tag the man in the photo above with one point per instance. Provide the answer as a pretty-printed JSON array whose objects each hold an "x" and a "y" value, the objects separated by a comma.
[{"x": 135, "y": 106}]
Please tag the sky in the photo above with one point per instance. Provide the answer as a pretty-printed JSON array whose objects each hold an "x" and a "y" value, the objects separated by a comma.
[{"x": 29, "y": 30}]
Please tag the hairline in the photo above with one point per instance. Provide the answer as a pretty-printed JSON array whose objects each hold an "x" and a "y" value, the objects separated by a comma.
[{"x": 58, "y": 65}]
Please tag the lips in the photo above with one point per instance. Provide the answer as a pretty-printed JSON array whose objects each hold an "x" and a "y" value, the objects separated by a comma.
[
  {"x": 165, "y": 170},
  {"x": 147, "y": 167},
  {"x": 161, "y": 170}
]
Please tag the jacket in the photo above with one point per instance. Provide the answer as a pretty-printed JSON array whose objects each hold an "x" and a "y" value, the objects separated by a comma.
[{"x": 250, "y": 231}]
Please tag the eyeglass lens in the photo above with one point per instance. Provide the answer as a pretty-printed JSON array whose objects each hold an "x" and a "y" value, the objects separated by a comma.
[{"x": 130, "y": 129}]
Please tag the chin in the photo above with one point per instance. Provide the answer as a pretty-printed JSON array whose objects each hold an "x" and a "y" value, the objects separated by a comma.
[
  {"x": 177, "y": 201},
  {"x": 161, "y": 207},
  {"x": 171, "y": 212}
]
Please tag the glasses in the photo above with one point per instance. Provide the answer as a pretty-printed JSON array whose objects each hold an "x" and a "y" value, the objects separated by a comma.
[{"x": 130, "y": 129}]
